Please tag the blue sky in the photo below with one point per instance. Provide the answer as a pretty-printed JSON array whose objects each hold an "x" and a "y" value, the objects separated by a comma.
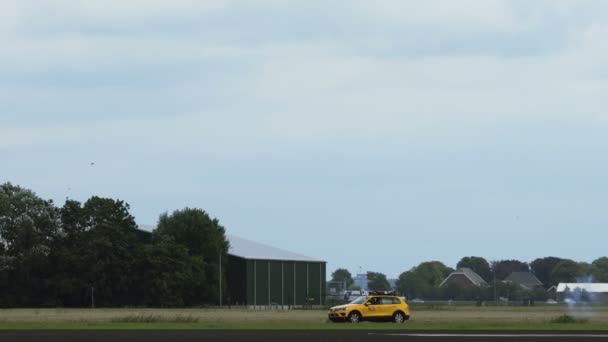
[{"x": 372, "y": 134}]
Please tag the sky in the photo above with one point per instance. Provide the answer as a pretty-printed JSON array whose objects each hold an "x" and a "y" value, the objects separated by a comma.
[{"x": 374, "y": 135}]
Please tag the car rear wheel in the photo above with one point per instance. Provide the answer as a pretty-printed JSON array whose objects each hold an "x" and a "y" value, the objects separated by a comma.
[
  {"x": 399, "y": 317},
  {"x": 354, "y": 317}
]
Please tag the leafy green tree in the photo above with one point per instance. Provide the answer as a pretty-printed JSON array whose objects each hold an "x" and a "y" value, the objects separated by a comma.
[
  {"x": 28, "y": 228},
  {"x": 586, "y": 269},
  {"x": 600, "y": 269},
  {"x": 97, "y": 254},
  {"x": 204, "y": 238},
  {"x": 543, "y": 267},
  {"x": 171, "y": 276},
  {"x": 342, "y": 275},
  {"x": 409, "y": 285},
  {"x": 478, "y": 264},
  {"x": 503, "y": 268},
  {"x": 504, "y": 290},
  {"x": 433, "y": 272},
  {"x": 424, "y": 280},
  {"x": 377, "y": 281},
  {"x": 69, "y": 280},
  {"x": 567, "y": 271}
]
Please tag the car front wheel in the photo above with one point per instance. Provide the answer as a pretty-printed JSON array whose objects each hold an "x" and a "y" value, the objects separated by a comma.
[{"x": 354, "y": 317}]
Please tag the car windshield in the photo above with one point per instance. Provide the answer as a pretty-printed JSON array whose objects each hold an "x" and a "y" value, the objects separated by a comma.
[{"x": 359, "y": 300}]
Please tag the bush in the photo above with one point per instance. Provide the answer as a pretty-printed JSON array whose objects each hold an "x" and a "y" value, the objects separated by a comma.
[
  {"x": 567, "y": 319},
  {"x": 142, "y": 318},
  {"x": 137, "y": 319}
]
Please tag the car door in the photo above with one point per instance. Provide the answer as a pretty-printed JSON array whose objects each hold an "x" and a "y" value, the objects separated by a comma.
[
  {"x": 372, "y": 305},
  {"x": 386, "y": 307}
]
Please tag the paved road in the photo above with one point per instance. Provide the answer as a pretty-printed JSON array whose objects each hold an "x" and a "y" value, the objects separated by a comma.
[{"x": 295, "y": 336}]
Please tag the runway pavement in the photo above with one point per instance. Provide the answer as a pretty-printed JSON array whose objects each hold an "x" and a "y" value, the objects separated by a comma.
[{"x": 295, "y": 335}]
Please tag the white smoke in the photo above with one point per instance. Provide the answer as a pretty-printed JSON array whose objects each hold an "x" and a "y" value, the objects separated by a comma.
[{"x": 580, "y": 301}]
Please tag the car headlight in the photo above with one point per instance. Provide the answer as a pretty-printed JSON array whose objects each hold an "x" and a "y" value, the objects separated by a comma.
[{"x": 339, "y": 309}]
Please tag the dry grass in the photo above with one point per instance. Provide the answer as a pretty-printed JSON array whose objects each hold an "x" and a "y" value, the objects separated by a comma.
[
  {"x": 160, "y": 315},
  {"x": 540, "y": 314},
  {"x": 508, "y": 314}
]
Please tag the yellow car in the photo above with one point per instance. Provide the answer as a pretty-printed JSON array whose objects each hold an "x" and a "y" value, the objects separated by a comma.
[{"x": 377, "y": 306}]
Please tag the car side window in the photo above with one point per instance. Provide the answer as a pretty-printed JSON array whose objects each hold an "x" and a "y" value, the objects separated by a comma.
[
  {"x": 386, "y": 300},
  {"x": 396, "y": 301}
]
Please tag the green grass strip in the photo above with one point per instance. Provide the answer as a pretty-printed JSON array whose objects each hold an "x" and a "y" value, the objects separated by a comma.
[{"x": 299, "y": 326}]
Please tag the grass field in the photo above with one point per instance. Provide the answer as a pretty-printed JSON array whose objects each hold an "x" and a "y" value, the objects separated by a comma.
[{"x": 423, "y": 317}]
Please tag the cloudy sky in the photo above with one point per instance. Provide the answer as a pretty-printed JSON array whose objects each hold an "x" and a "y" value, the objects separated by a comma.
[{"x": 372, "y": 134}]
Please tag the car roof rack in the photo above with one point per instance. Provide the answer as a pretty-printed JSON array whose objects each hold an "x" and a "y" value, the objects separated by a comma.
[{"x": 391, "y": 293}]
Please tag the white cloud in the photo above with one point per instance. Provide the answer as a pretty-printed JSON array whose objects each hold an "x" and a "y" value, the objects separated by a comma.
[
  {"x": 9, "y": 17},
  {"x": 124, "y": 10},
  {"x": 318, "y": 88},
  {"x": 495, "y": 15}
]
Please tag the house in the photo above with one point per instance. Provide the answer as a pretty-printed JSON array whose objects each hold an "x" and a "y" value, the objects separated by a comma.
[
  {"x": 465, "y": 278},
  {"x": 582, "y": 292},
  {"x": 524, "y": 279}
]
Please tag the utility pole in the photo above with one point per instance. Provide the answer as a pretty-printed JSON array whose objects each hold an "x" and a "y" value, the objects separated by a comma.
[
  {"x": 494, "y": 271},
  {"x": 92, "y": 297},
  {"x": 220, "y": 279}
]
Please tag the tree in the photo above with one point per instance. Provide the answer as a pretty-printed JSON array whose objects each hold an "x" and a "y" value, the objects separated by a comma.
[
  {"x": 377, "y": 282},
  {"x": 28, "y": 229},
  {"x": 342, "y": 275},
  {"x": 171, "y": 276},
  {"x": 204, "y": 238},
  {"x": 600, "y": 269},
  {"x": 478, "y": 264},
  {"x": 566, "y": 272},
  {"x": 28, "y": 224},
  {"x": 423, "y": 280},
  {"x": 97, "y": 254},
  {"x": 504, "y": 268},
  {"x": 542, "y": 268},
  {"x": 507, "y": 290},
  {"x": 586, "y": 269}
]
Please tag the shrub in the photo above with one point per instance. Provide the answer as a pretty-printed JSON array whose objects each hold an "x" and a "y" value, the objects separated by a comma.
[
  {"x": 143, "y": 318},
  {"x": 567, "y": 319}
]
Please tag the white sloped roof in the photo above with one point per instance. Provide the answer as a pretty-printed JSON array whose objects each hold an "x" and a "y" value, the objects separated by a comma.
[
  {"x": 588, "y": 287},
  {"x": 253, "y": 250}
]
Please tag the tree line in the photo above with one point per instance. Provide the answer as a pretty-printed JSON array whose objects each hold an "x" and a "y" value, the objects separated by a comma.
[
  {"x": 424, "y": 280},
  {"x": 93, "y": 254}
]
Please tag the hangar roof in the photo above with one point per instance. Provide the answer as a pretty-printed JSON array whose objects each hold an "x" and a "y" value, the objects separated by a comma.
[
  {"x": 253, "y": 250},
  {"x": 248, "y": 249}
]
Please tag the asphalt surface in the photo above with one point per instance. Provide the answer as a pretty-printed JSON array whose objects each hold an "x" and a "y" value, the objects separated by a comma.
[{"x": 295, "y": 335}]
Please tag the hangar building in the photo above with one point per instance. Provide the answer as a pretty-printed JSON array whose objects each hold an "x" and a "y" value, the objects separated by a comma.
[{"x": 261, "y": 275}]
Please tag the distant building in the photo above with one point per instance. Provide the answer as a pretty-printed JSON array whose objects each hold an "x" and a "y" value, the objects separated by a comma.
[
  {"x": 465, "y": 278},
  {"x": 262, "y": 275},
  {"x": 361, "y": 281},
  {"x": 524, "y": 279},
  {"x": 583, "y": 292},
  {"x": 392, "y": 283}
]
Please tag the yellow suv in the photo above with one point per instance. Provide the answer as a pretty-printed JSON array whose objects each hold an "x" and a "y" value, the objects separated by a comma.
[{"x": 376, "y": 306}]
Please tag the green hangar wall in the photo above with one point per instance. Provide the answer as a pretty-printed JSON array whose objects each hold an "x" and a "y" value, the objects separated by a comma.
[{"x": 260, "y": 275}]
